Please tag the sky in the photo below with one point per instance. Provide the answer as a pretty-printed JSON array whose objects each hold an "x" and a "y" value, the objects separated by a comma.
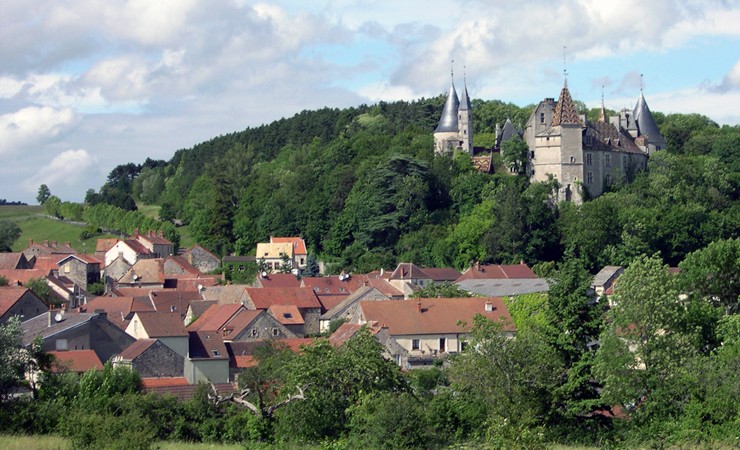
[{"x": 86, "y": 85}]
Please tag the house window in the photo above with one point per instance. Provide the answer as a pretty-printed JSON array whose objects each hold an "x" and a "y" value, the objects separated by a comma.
[
  {"x": 608, "y": 160},
  {"x": 442, "y": 345},
  {"x": 608, "y": 179},
  {"x": 589, "y": 177},
  {"x": 531, "y": 154},
  {"x": 589, "y": 160},
  {"x": 61, "y": 344},
  {"x": 542, "y": 117},
  {"x": 275, "y": 332},
  {"x": 216, "y": 353},
  {"x": 463, "y": 346},
  {"x": 303, "y": 261},
  {"x": 415, "y": 344},
  {"x": 572, "y": 159},
  {"x": 254, "y": 333}
]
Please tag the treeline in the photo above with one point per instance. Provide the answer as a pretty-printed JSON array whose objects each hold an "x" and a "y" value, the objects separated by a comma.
[
  {"x": 362, "y": 186},
  {"x": 656, "y": 365}
]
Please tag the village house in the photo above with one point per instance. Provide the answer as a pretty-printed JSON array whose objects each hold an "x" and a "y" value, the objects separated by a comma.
[
  {"x": 14, "y": 261},
  {"x": 274, "y": 253},
  {"x": 431, "y": 328},
  {"x": 83, "y": 270},
  {"x": 70, "y": 330},
  {"x": 235, "y": 322},
  {"x": 165, "y": 326},
  {"x": 496, "y": 280},
  {"x": 151, "y": 358},
  {"x": 202, "y": 259},
  {"x": 77, "y": 361},
  {"x": 347, "y": 308},
  {"x": 303, "y": 298},
  {"x": 208, "y": 359},
  {"x": 391, "y": 349},
  {"x": 21, "y": 302},
  {"x": 47, "y": 248}
]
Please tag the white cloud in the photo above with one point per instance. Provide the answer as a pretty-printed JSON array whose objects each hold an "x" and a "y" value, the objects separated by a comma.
[
  {"x": 731, "y": 81},
  {"x": 33, "y": 126},
  {"x": 66, "y": 169}
]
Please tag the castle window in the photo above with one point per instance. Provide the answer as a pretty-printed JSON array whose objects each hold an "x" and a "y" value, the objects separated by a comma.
[
  {"x": 531, "y": 154},
  {"x": 608, "y": 160},
  {"x": 589, "y": 177},
  {"x": 572, "y": 159},
  {"x": 608, "y": 179},
  {"x": 589, "y": 159}
]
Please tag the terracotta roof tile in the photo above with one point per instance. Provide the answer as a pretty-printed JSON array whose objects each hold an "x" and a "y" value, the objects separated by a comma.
[
  {"x": 170, "y": 300},
  {"x": 150, "y": 383},
  {"x": 286, "y": 314},
  {"x": 87, "y": 259},
  {"x": 102, "y": 245},
  {"x": 345, "y": 332},
  {"x": 433, "y": 315},
  {"x": 162, "y": 324},
  {"x": 47, "y": 262},
  {"x": 279, "y": 280},
  {"x": 408, "y": 270},
  {"x": 207, "y": 345},
  {"x": 263, "y": 298},
  {"x": 21, "y": 276},
  {"x": 137, "y": 348},
  {"x": 331, "y": 301},
  {"x": 184, "y": 264},
  {"x": 231, "y": 293},
  {"x": 440, "y": 274},
  {"x": 10, "y": 260},
  {"x": 497, "y": 271},
  {"x": 299, "y": 245},
  {"x": 150, "y": 271},
  {"x": 76, "y": 361},
  {"x": 215, "y": 317}
]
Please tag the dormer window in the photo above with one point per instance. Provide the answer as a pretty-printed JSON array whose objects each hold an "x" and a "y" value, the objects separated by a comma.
[{"x": 216, "y": 352}]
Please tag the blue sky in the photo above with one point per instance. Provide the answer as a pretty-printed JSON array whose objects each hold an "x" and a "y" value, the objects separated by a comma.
[{"x": 89, "y": 84}]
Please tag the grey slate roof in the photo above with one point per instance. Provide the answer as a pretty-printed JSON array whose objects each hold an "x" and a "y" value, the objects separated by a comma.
[
  {"x": 605, "y": 274},
  {"x": 508, "y": 132},
  {"x": 504, "y": 287},
  {"x": 448, "y": 121},
  {"x": 39, "y": 325},
  {"x": 465, "y": 100},
  {"x": 646, "y": 123}
]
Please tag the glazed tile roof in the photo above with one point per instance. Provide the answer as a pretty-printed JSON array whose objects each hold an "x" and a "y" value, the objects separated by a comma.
[
  {"x": 434, "y": 315},
  {"x": 565, "y": 110}
]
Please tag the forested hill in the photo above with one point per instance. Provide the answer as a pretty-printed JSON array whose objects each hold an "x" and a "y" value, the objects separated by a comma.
[{"x": 362, "y": 186}]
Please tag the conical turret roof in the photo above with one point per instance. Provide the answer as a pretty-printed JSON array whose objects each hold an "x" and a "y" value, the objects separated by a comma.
[
  {"x": 465, "y": 100},
  {"x": 565, "y": 110},
  {"x": 646, "y": 125},
  {"x": 448, "y": 121}
]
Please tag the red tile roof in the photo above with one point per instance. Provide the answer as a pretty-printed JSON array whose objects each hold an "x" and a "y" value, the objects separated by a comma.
[
  {"x": 21, "y": 276},
  {"x": 345, "y": 332},
  {"x": 279, "y": 280},
  {"x": 153, "y": 237},
  {"x": 179, "y": 387},
  {"x": 87, "y": 259},
  {"x": 9, "y": 296},
  {"x": 330, "y": 301},
  {"x": 442, "y": 273},
  {"x": 299, "y": 245},
  {"x": 162, "y": 324},
  {"x": 137, "y": 247},
  {"x": 215, "y": 317},
  {"x": 150, "y": 383},
  {"x": 408, "y": 270},
  {"x": 104, "y": 244},
  {"x": 286, "y": 314},
  {"x": 171, "y": 300},
  {"x": 206, "y": 345},
  {"x": 145, "y": 271},
  {"x": 10, "y": 260},
  {"x": 185, "y": 265},
  {"x": 263, "y": 298},
  {"x": 47, "y": 262},
  {"x": 433, "y": 315},
  {"x": 497, "y": 272},
  {"x": 186, "y": 282},
  {"x": 137, "y": 348},
  {"x": 76, "y": 361}
]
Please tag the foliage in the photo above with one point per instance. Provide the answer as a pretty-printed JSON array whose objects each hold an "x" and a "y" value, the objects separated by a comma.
[
  {"x": 389, "y": 420},
  {"x": 53, "y": 206},
  {"x": 9, "y": 233},
  {"x": 713, "y": 273},
  {"x": 446, "y": 290},
  {"x": 43, "y": 194},
  {"x": 41, "y": 288},
  {"x": 96, "y": 289},
  {"x": 13, "y": 358}
]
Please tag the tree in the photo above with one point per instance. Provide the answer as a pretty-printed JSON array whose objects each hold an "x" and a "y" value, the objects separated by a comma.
[
  {"x": 644, "y": 356},
  {"x": 713, "y": 273},
  {"x": 9, "y": 233},
  {"x": 312, "y": 267},
  {"x": 43, "y": 195},
  {"x": 53, "y": 206},
  {"x": 14, "y": 359},
  {"x": 514, "y": 152},
  {"x": 39, "y": 287}
]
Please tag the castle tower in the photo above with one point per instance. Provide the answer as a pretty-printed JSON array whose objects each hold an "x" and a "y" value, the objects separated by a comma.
[
  {"x": 447, "y": 134},
  {"x": 465, "y": 121},
  {"x": 567, "y": 123},
  {"x": 647, "y": 129}
]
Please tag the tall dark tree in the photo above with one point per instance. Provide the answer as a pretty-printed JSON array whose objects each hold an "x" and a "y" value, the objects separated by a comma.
[{"x": 43, "y": 195}]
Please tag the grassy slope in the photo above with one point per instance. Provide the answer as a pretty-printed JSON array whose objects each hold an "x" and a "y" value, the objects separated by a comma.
[{"x": 37, "y": 226}]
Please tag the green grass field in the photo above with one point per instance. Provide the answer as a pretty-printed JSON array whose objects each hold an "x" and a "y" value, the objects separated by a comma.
[
  {"x": 149, "y": 210},
  {"x": 45, "y": 442},
  {"x": 37, "y": 226}
]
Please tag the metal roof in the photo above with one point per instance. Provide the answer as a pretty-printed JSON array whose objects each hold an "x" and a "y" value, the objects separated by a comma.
[
  {"x": 465, "y": 100},
  {"x": 448, "y": 121}
]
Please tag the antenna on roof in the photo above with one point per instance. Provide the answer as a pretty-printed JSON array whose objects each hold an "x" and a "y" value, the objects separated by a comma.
[
  {"x": 465, "y": 75},
  {"x": 452, "y": 70},
  {"x": 640, "y": 83}
]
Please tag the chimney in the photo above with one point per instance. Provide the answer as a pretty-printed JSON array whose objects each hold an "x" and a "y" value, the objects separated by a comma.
[
  {"x": 49, "y": 318},
  {"x": 54, "y": 243},
  {"x": 30, "y": 242},
  {"x": 136, "y": 231},
  {"x": 418, "y": 306},
  {"x": 477, "y": 265},
  {"x": 161, "y": 233},
  {"x": 46, "y": 242},
  {"x": 489, "y": 307},
  {"x": 382, "y": 271}
]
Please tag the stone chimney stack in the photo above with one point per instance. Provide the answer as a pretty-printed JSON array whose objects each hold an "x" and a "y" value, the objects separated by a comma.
[
  {"x": 418, "y": 306},
  {"x": 489, "y": 307}
]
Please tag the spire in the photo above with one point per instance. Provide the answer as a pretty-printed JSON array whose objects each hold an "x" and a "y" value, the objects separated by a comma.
[
  {"x": 464, "y": 99},
  {"x": 565, "y": 111},
  {"x": 646, "y": 125},
  {"x": 448, "y": 121},
  {"x": 602, "y": 113}
]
